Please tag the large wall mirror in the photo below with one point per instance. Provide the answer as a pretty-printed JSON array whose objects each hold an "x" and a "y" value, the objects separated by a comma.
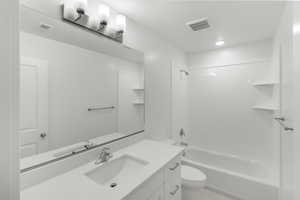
[{"x": 74, "y": 96}]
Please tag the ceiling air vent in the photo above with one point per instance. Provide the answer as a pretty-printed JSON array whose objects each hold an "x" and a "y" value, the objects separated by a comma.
[
  {"x": 45, "y": 26},
  {"x": 198, "y": 24}
]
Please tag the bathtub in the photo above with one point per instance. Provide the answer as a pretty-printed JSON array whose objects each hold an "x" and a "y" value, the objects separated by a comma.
[{"x": 232, "y": 175}]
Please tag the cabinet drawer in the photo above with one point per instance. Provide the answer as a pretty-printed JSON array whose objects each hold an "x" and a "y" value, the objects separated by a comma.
[
  {"x": 173, "y": 171},
  {"x": 173, "y": 192}
]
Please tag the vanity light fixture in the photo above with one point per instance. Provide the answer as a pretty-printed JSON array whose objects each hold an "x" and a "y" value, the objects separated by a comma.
[
  {"x": 94, "y": 22},
  {"x": 75, "y": 12},
  {"x": 103, "y": 14},
  {"x": 80, "y": 6},
  {"x": 120, "y": 23},
  {"x": 69, "y": 12}
]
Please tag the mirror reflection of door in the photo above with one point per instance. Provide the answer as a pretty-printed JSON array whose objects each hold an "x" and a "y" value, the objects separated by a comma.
[{"x": 33, "y": 107}]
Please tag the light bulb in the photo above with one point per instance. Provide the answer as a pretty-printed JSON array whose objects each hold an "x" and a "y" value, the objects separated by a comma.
[
  {"x": 80, "y": 6},
  {"x": 94, "y": 22},
  {"x": 103, "y": 13},
  {"x": 70, "y": 11},
  {"x": 120, "y": 23},
  {"x": 110, "y": 29}
]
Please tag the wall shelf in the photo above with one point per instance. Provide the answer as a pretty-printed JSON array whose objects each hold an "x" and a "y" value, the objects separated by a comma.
[
  {"x": 267, "y": 107},
  {"x": 138, "y": 89},
  {"x": 138, "y": 103},
  {"x": 264, "y": 83}
]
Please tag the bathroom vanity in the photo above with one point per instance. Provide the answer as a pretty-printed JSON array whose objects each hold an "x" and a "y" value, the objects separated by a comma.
[{"x": 147, "y": 170}]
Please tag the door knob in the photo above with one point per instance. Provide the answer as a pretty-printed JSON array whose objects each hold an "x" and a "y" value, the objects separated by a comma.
[{"x": 43, "y": 135}]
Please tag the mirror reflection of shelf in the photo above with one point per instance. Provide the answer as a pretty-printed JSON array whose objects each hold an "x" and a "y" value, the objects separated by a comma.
[
  {"x": 139, "y": 91},
  {"x": 138, "y": 103}
]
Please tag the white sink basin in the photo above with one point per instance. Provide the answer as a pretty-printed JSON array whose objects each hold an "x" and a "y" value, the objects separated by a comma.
[{"x": 116, "y": 172}]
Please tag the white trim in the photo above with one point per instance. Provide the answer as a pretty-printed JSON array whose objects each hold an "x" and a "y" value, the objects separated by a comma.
[
  {"x": 231, "y": 64},
  {"x": 9, "y": 55}
]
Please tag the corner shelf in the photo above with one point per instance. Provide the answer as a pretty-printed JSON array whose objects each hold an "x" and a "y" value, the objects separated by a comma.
[
  {"x": 264, "y": 83},
  {"x": 267, "y": 107}
]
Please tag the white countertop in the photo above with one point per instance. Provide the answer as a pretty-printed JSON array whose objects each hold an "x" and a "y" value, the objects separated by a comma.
[{"x": 75, "y": 185}]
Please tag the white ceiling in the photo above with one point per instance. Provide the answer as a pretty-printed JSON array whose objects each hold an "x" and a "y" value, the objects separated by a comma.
[{"x": 235, "y": 22}]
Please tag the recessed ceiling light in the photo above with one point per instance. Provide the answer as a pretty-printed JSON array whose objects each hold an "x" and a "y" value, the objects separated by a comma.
[
  {"x": 296, "y": 28},
  {"x": 220, "y": 43},
  {"x": 212, "y": 74}
]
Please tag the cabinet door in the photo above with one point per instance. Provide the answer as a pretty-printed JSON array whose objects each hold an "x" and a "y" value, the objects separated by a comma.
[{"x": 157, "y": 195}]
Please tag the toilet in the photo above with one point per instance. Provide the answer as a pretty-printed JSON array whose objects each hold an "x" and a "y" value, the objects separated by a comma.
[{"x": 193, "y": 182}]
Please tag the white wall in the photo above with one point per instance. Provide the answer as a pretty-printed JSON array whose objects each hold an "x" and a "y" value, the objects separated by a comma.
[
  {"x": 221, "y": 97},
  {"x": 79, "y": 79},
  {"x": 179, "y": 100},
  {"x": 9, "y": 189},
  {"x": 159, "y": 55},
  {"x": 232, "y": 55},
  {"x": 131, "y": 116},
  {"x": 296, "y": 38}
]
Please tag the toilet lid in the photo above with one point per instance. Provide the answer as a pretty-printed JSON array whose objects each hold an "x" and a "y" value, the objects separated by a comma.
[{"x": 192, "y": 174}]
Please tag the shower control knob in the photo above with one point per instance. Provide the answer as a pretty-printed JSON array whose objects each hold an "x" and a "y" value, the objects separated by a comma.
[
  {"x": 288, "y": 129},
  {"x": 43, "y": 135},
  {"x": 280, "y": 119}
]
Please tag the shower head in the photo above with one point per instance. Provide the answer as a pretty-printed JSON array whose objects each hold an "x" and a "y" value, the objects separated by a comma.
[{"x": 185, "y": 72}]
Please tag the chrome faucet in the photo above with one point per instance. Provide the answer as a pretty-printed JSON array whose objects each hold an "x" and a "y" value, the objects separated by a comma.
[
  {"x": 104, "y": 156},
  {"x": 89, "y": 144}
]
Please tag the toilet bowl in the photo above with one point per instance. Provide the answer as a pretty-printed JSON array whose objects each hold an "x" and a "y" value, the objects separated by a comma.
[{"x": 193, "y": 182}]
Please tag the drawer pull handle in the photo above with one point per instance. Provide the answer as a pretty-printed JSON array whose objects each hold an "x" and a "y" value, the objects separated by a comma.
[
  {"x": 175, "y": 167},
  {"x": 175, "y": 191}
]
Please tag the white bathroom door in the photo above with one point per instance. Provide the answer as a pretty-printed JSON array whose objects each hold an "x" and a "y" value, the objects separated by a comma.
[{"x": 33, "y": 128}]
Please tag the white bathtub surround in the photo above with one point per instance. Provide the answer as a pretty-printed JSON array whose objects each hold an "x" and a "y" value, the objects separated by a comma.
[
  {"x": 221, "y": 101},
  {"x": 232, "y": 175},
  {"x": 76, "y": 185}
]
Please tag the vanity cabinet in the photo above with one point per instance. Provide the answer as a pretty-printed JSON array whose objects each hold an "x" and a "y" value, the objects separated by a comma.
[
  {"x": 164, "y": 185},
  {"x": 157, "y": 195},
  {"x": 172, "y": 173}
]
